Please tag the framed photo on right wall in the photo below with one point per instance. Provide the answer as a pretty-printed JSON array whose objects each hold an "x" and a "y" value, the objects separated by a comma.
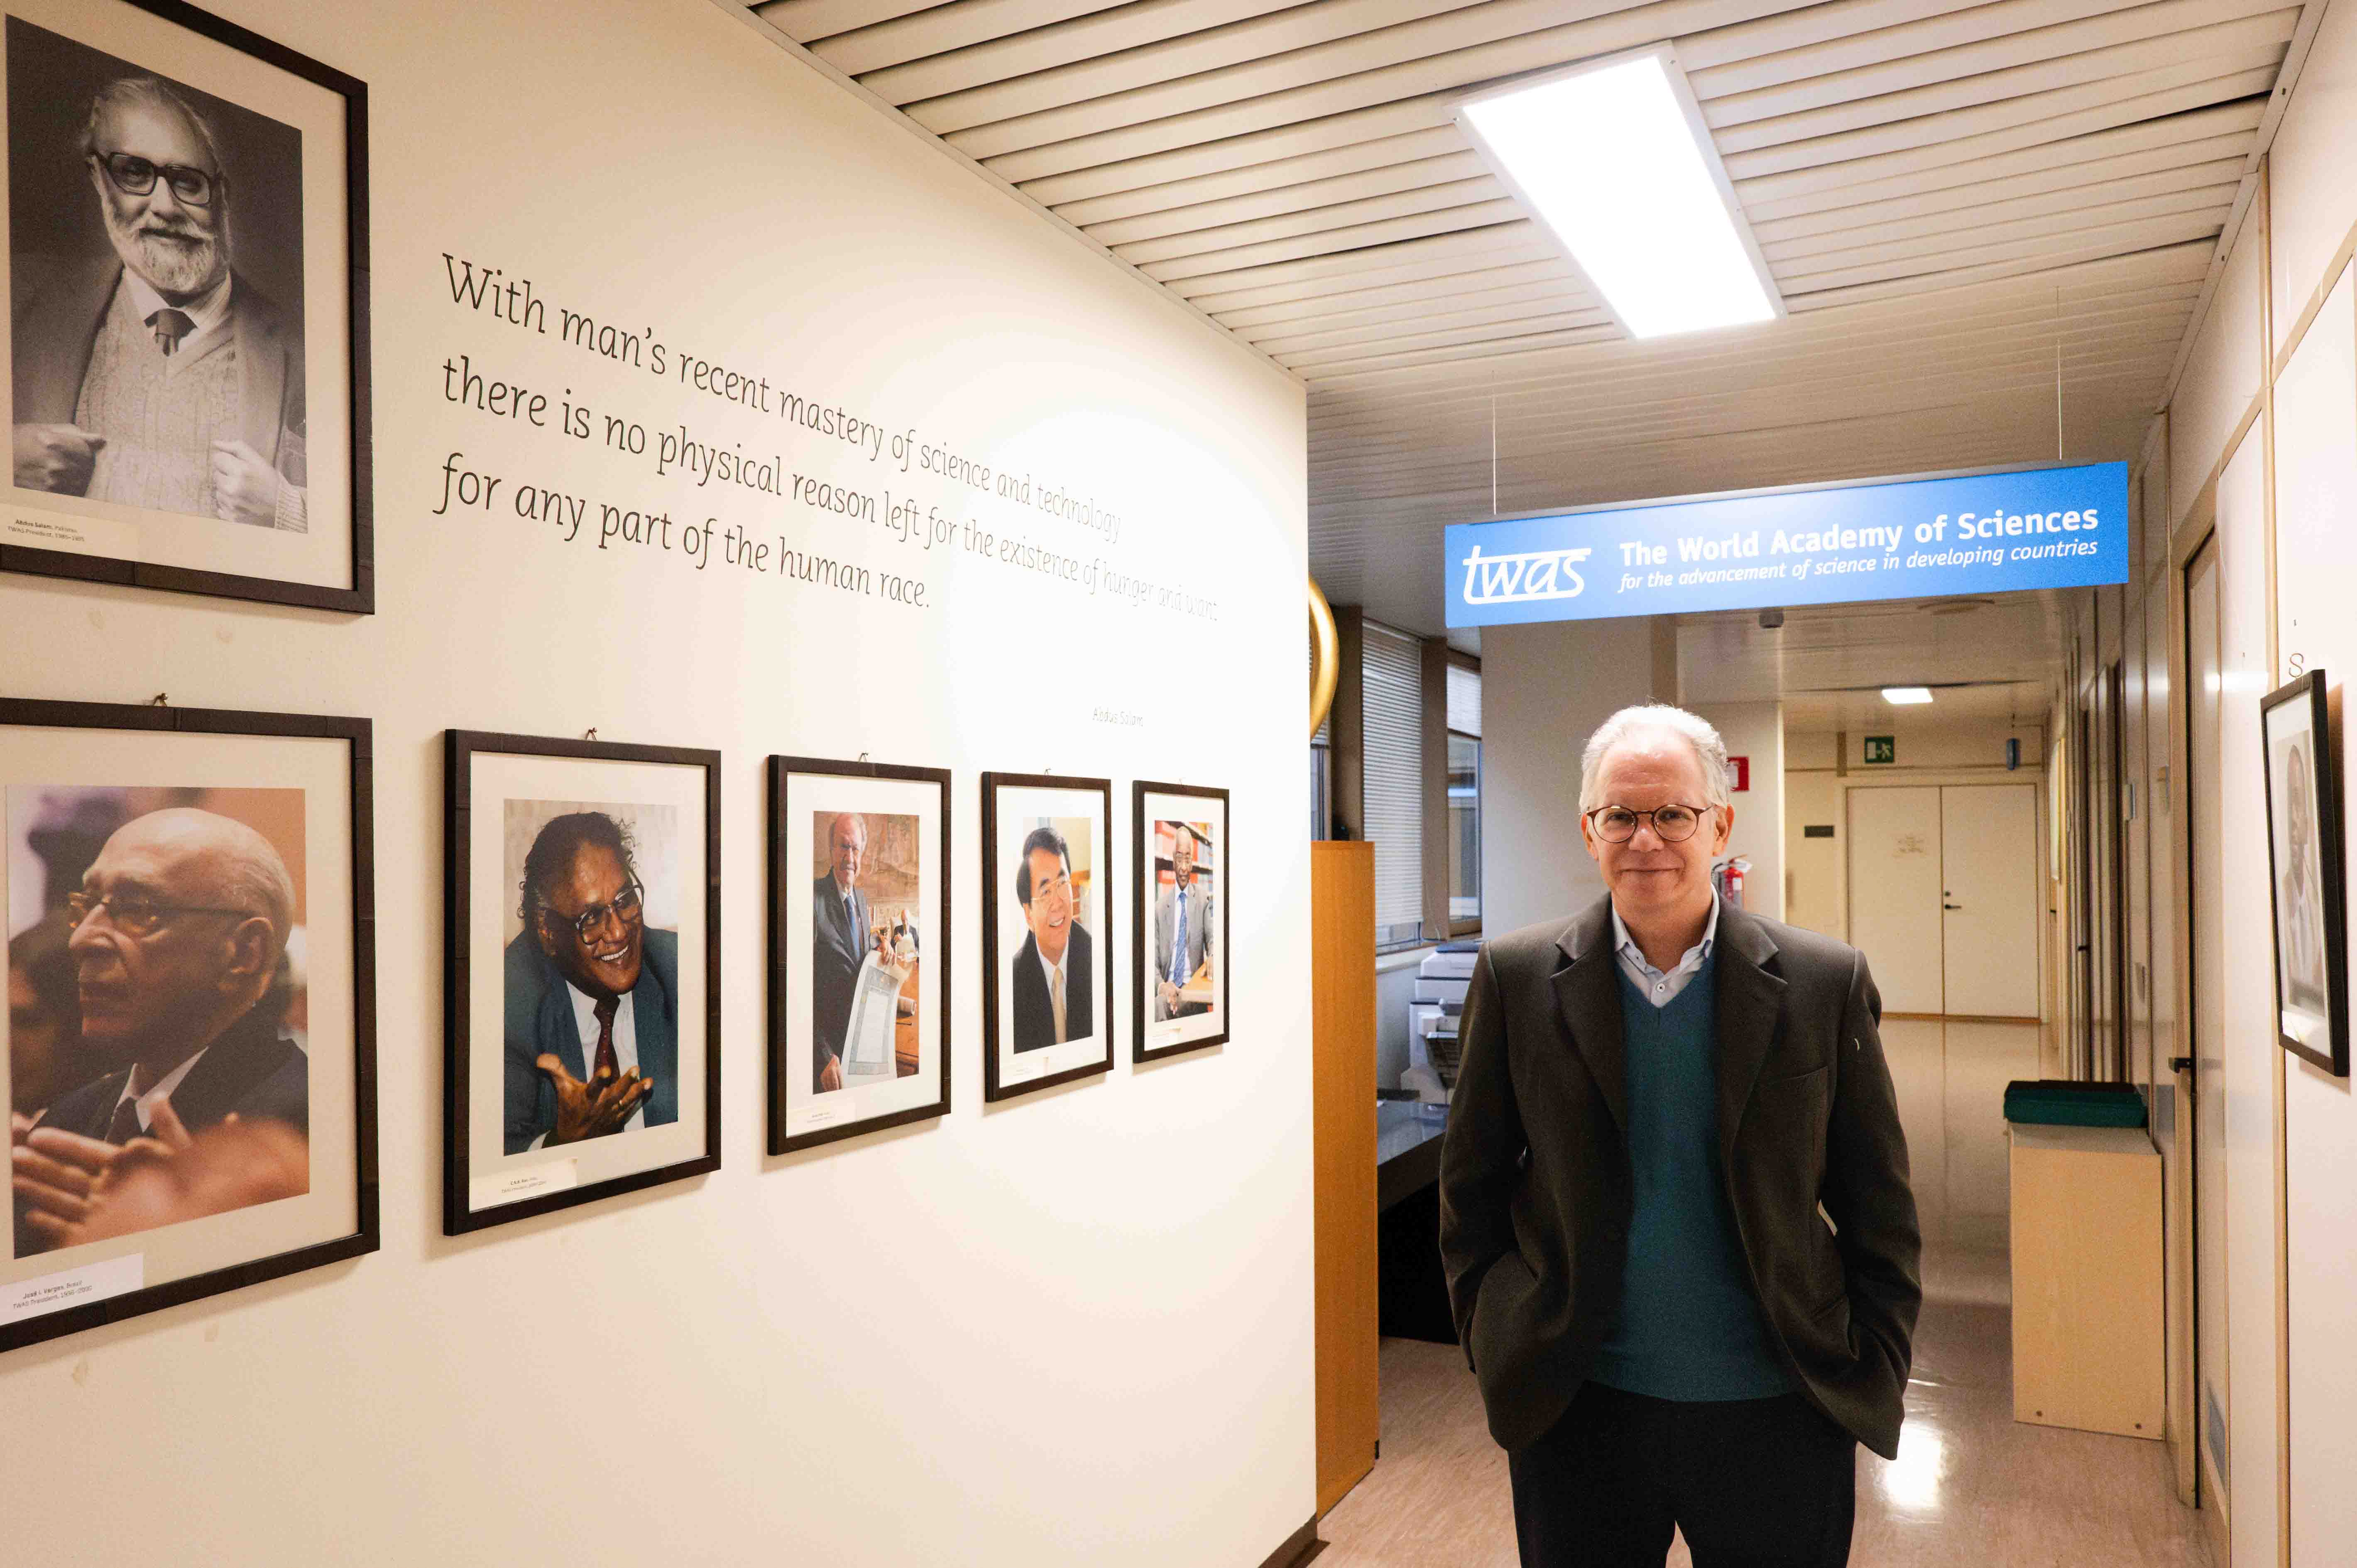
[
  {"x": 1181, "y": 980},
  {"x": 2307, "y": 883}
]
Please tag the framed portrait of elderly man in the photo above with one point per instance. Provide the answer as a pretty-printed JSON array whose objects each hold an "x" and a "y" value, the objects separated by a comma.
[
  {"x": 583, "y": 919},
  {"x": 860, "y": 949},
  {"x": 2306, "y": 874},
  {"x": 188, "y": 316},
  {"x": 189, "y": 1052},
  {"x": 1046, "y": 931},
  {"x": 1179, "y": 990}
]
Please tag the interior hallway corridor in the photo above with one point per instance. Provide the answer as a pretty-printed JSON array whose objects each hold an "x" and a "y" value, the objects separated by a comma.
[{"x": 1970, "y": 1487}]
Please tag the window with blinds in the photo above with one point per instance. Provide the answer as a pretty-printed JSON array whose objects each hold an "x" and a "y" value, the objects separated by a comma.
[
  {"x": 1465, "y": 701},
  {"x": 1392, "y": 699}
]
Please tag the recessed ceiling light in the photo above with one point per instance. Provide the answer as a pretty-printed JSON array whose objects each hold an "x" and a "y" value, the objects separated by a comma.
[
  {"x": 1906, "y": 696},
  {"x": 1613, "y": 156}
]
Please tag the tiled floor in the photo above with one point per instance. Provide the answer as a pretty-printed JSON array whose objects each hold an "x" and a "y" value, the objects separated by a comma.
[{"x": 1970, "y": 1487}]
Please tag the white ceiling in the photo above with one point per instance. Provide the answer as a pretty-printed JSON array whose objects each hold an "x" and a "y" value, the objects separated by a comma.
[
  {"x": 1835, "y": 659},
  {"x": 1953, "y": 198}
]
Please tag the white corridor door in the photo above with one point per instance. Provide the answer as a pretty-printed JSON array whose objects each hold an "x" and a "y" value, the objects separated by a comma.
[
  {"x": 1894, "y": 894},
  {"x": 1989, "y": 929}
]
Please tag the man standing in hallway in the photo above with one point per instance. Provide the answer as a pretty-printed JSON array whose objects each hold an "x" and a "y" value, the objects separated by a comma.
[{"x": 1656, "y": 1097}]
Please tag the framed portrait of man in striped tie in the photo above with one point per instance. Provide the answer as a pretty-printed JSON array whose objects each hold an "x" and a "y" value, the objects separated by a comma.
[
  {"x": 186, "y": 246},
  {"x": 1046, "y": 998},
  {"x": 1179, "y": 992}
]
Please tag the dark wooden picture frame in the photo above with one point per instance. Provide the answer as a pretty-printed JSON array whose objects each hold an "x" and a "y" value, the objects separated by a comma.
[
  {"x": 459, "y": 749},
  {"x": 993, "y": 876},
  {"x": 786, "y": 886},
  {"x": 355, "y": 733},
  {"x": 2323, "y": 876},
  {"x": 1146, "y": 877},
  {"x": 357, "y": 596}
]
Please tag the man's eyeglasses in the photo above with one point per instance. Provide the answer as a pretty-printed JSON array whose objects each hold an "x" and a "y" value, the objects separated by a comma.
[
  {"x": 625, "y": 908},
  {"x": 136, "y": 176},
  {"x": 1672, "y": 823},
  {"x": 135, "y": 914}
]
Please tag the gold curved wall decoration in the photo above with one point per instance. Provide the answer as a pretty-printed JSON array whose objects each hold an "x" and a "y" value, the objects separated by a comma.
[{"x": 1325, "y": 657}]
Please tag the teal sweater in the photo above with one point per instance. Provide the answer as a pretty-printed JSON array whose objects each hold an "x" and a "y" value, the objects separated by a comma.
[{"x": 1690, "y": 1325}]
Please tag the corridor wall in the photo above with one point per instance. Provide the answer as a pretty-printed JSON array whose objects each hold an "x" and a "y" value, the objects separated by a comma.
[
  {"x": 1071, "y": 1328},
  {"x": 2261, "y": 430}
]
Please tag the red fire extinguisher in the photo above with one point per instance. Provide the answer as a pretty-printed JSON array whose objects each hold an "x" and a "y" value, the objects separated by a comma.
[{"x": 1730, "y": 881}]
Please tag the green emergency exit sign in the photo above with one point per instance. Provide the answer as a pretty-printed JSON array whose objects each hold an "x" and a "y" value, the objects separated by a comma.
[{"x": 1882, "y": 749}]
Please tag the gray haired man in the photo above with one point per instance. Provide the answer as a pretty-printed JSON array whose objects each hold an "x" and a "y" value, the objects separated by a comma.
[
  {"x": 1658, "y": 1096},
  {"x": 153, "y": 375}
]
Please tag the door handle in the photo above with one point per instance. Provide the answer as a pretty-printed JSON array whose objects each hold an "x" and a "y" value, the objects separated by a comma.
[
  {"x": 2180, "y": 1064},
  {"x": 1951, "y": 905}
]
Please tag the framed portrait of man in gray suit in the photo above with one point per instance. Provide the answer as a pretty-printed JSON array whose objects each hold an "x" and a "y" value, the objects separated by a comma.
[
  {"x": 860, "y": 949},
  {"x": 1180, "y": 992},
  {"x": 584, "y": 908},
  {"x": 187, "y": 265}
]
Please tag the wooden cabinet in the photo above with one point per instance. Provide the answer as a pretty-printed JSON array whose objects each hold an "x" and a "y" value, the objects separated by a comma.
[
  {"x": 2087, "y": 1349},
  {"x": 1342, "y": 1073}
]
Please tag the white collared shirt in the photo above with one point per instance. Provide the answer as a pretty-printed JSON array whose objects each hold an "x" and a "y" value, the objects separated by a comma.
[
  {"x": 1662, "y": 989},
  {"x": 145, "y": 1103},
  {"x": 626, "y": 1040},
  {"x": 1051, "y": 970},
  {"x": 204, "y": 313},
  {"x": 626, "y": 1045}
]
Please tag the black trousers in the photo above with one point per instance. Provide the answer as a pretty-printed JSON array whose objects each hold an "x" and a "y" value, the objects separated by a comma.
[{"x": 1753, "y": 1483}]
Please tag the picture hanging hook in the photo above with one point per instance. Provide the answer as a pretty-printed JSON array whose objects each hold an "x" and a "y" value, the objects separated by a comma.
[
  {"x": 863, "y": 757},
  {"x": 589, "y": 734},
  {"x": 157, "y": 701}
]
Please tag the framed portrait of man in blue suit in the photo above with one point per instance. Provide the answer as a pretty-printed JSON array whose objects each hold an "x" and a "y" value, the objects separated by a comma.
[
  {"x": 583, "y": 899},
  {"x": 1179, "y": 990}
]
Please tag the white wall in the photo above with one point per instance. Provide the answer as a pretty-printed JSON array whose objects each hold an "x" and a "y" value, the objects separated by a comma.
[
  {"x": 2286, "y": 290},
  {"x": 1544, "y": 688},
  {"x": 1757, "y": 730},
  {"x": 1075, "y": 1328}
]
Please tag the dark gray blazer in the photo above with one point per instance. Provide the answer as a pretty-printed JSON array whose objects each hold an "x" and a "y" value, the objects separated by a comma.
[{"x": 1536, "y": 1182}]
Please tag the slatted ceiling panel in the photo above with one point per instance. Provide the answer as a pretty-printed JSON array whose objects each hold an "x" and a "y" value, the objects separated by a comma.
[
  {"x": 921, "y": 57},
  {"x": 1942, "y": 192},
  {"x": 1334, "y": 219},
  {"x": 1361, "y": 168},
  {"x": 1412, "y": 179}
]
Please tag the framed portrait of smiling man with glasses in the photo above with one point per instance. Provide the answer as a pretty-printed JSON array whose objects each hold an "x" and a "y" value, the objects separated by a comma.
[
  {"x": 186, "y": 251},
  {"x": 583, "y": 908},
  {"x": 1047, "y": 972},
  {"x": 187, "y": 1058}
]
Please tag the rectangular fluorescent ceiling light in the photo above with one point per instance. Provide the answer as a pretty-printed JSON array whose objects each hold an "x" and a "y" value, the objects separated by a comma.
[
  {"x": 1906, "y": 696},
  {"x": 1612, "y": 156}
]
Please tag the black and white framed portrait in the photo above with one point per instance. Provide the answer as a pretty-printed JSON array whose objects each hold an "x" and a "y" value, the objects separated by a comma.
[
  {"x": 189, "y": 1052},
  {"x": 1180, "y": 987},
  {"x": 2307, "y": 878},
  {"x": 860, "y": 949},
  {"x": 1046, "y": 931},
  {"x": 186, "y": 254},
  {"x": 584, "y": 995}
]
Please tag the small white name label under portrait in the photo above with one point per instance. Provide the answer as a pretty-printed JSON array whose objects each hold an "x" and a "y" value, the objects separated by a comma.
[
  {"x": 78, "y": 535},
  {"x": 514, "y": 1187},
  {"x": 55, "y": 1293}
]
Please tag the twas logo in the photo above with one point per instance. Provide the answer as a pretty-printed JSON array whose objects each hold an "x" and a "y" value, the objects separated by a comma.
[{"x": 1519, "y": 579}]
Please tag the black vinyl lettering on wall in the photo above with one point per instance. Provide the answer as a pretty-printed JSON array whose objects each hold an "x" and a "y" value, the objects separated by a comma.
[{"x": 745, "y": 473}]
